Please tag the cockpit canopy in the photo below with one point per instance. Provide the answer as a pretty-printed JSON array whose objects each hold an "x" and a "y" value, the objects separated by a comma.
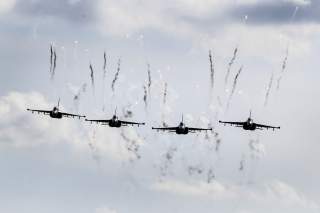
[
  {"x": 115, "y": 118},
  {"x": 250, "y": 121},
  {"x": 55, "y": 109},
  {"x": 181, "y": 125}
]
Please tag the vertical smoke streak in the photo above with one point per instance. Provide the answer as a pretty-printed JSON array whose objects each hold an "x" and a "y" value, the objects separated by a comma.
[
  {"x": 230, "y": 65},
  {"x": 116, "y": 75},
  {"x": 218, "y": 141},
  {"x": 165, "y": 93},
  {"x": 234, "y": 85},
  {"x": 164, "y": 101},
  {"x": 91, "y": 76},
  {"x": 51, "y": 58},
  {"x": 284, "y": 63},
  {"x": 145, "y": 97},
  {"x": 54, "y": 61},
  {"x": 104, "y": 78},
  {"x": 104, "y": 64},
  {"x": 268, "y": 90},
  {"x": 211, "y": 69},
  {"x": 283, "y": 68},
  {"x": 149, "y": 79}
]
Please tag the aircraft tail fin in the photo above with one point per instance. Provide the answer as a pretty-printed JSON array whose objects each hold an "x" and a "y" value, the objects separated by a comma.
[{"x": 58, "y": 102}]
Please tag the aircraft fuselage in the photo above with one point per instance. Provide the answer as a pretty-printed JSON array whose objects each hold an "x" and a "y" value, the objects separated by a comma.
[
  {"x": 182, "y": 130},
  {"x": 55, "y": 113},
  {"x": 249, "y": 125},
  {"x": 115, "y": 123}
]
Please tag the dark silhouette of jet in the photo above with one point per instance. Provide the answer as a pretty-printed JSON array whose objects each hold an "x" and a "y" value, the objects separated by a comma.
[
  {"x": 249, "y": 124},
  {"x": 181, "y": 129},
  {"x": 115, "y": 122},
  {"x": 55, "y": 113}
]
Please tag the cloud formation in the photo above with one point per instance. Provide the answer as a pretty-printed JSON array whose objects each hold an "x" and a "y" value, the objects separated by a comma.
[
  {"x": 276, "y": 193},
  {"x": 75, "y": 11},
  {"x": 6, "y": 6},
  {"x": 279, "y": 12},
  {"x": 22, "y": 129}
]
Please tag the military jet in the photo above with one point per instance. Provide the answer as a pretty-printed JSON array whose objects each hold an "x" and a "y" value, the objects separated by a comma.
[
  {"x": 115, "y": 122},
  {"x": 181, "y": 129},
  {"x": 249, "y": 125},
  {"x": 55, "y": 113}
]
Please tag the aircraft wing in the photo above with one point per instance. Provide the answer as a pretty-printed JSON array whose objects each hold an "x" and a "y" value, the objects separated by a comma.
[
  {"x": 170, "y": 129},
  {"x": 131, "y": 123},
  {"x": 236, "y": 124},
  {"x": 46, "y": 112},
  {"x": 260, "y": 126},
  {"x": 72, "y": 115},
  {"x": 99, "y": 121},
  {"x": 199, "y": 129}
]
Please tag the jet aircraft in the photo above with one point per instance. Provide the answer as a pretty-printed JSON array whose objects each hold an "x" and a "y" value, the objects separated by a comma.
[
  {"x": 55, "y": 113},
  {"x": 249, "y": 125},
  {"x": 181, "y": 129},
  {"x": 115, "y": 122}
]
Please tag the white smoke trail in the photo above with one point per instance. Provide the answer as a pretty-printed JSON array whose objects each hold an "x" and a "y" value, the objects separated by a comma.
[
  {"x": 268, "y": 90},
  {"x": 145, "y": 97},
  {"x": 92, "y": 76},
  {"x": 116, "y": 75},
  {"x": 211, "y": 70},
  {"x": 283, "y": 68},
  {"x": 149, "y": 79},
  {"x": 234, "y": 85},
  {"x": 230, "y": 65},
  {"x": 104, "y": 65}
]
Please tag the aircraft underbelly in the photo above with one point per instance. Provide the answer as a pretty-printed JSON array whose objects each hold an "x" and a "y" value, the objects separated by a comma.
[{"x": 58, "y": 116}]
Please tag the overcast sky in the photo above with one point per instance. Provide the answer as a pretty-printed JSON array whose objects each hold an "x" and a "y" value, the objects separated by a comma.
[{"x": 68, "y": 165}]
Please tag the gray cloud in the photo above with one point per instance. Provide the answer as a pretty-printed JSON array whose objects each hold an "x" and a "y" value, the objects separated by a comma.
[
  {"x": 81, "y": 11},
  {"x": 277, "y": 12}
]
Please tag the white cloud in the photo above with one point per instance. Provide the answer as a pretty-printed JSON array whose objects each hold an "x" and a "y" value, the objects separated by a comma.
[
  {"x": 6, "y": 5},
  {"x": 277, "y": 193},
  {"x": 123, "y": 17},
  {"x": 20, "y": 128},
  {"x": 299, "y": 2},
  {"x": 105, "y": 210},
  {"x": 288, "y": 195},
  {"x": 204, "y": 24},
  {"x": 214, "y": 190}
]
